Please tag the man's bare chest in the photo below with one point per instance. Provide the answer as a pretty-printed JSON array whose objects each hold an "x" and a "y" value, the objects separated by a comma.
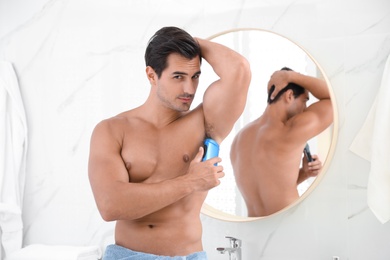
[{"x": 158, "y": 154}]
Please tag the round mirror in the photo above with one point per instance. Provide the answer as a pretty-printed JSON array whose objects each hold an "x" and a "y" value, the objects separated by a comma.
[{"x": 266, "y": 52}]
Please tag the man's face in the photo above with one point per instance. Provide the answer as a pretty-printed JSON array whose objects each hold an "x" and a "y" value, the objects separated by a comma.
[
  {"x": 299, "y": 104},
  {"x": 178, "y": 82}
]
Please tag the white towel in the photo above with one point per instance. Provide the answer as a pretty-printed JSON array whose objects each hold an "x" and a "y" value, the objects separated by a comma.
[
  {"x": 373, "y": 143},
  {"x": 49, "y": 252},
  {"x": 13, "y": 150},
  {"x": 362, "y": 143}
]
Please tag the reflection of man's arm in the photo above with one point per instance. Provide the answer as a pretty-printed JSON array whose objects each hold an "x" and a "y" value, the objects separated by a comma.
[
  {"x": 309, "y": 169},
  {"x": 315, "y": 118},
  {"x": 317, "y": 87},
  {"x": 281, "y": 78}
]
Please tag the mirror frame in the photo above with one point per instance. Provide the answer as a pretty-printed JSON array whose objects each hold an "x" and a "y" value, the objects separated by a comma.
[{"x": 220, "y": 215}]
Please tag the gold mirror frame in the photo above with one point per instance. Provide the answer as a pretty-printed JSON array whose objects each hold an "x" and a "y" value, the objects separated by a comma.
[{"x": 218, "y": 214}]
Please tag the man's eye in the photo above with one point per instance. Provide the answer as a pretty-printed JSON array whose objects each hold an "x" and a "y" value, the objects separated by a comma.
[
  {"x": 196, "y": 76},
  {"x": 178, "y": 77}
]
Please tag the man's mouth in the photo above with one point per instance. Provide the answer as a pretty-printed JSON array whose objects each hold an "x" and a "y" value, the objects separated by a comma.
[{"x": 186, "y": 99}]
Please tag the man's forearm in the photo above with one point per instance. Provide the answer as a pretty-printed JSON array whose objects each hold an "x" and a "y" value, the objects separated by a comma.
[
  {"x": 224, "y": 61},
  {"x": 317, "y": 87}
]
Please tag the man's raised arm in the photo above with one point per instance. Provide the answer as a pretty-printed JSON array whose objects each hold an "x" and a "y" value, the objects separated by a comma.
[{"x": 224, "y": 100}]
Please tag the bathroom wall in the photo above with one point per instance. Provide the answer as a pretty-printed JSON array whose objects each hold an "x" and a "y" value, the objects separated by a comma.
[{"x": 79, "y": 62}]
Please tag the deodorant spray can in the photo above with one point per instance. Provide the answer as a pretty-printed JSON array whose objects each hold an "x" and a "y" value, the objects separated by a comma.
[{"x": 211, "y": 149}]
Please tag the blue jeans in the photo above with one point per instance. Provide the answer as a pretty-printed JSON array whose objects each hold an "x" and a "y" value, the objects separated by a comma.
[{"x": 115, "y": 252}]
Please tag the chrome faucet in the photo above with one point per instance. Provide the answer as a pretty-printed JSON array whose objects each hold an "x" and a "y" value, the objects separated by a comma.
[{"x": 234, "y": 250}]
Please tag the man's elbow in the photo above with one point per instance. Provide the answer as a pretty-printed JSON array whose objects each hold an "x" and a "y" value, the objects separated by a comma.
[
  {"x": 244, "y": 67},
  {"x": 108, "y": 216},
  {"x": 243, "y": 72},
  {"x": 108, "y": 209}
]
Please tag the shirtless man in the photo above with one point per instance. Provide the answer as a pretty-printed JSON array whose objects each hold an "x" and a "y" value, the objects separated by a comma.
[
  {"x": 266, "y": 154},
  {"x": 145, "y": 164}
]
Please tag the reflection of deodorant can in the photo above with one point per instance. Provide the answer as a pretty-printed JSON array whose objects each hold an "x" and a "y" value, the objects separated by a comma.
[
  {"x": 211, "y": 149},
  {"x": 307, "y": 153}
]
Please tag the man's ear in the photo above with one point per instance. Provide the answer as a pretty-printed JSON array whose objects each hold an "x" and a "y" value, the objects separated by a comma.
[
  {"x": 289, "y": 95},
  {"x": 151, "y": 75}
]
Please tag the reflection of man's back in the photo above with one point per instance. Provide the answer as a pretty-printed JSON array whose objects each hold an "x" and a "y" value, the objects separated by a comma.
[
  {"x": 266, "y": 166},
  {"x": 266, "y": 154}
]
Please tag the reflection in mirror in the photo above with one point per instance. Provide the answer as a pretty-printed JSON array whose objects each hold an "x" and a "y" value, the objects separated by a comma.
[{"x": 267, "y": 52}]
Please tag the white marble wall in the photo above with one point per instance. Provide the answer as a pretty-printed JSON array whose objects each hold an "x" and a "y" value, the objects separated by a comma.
[{"x": 79, "y": 61}]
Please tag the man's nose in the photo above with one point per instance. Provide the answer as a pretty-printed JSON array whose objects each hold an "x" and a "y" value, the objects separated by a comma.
[{"x": 189, "y": 87}]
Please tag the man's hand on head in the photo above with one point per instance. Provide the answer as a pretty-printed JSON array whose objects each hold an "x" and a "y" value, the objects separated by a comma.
[{"x": 279, "y": 80}]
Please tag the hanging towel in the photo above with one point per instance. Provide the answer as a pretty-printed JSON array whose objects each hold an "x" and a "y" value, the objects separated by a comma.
[
  {"x": 50, "y": 252},
  {"x": 373, "y": 143},
  {"x": 362, "y": 143},
  {"x": 13, "y": 149}
]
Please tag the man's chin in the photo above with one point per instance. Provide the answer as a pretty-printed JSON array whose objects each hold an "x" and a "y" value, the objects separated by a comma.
[{"x": 185, "y": 108}]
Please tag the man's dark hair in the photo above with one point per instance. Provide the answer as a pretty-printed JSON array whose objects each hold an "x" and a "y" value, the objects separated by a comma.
[
  {"x": 169, "y": 40},
  {"x": 297, "y": 90}
]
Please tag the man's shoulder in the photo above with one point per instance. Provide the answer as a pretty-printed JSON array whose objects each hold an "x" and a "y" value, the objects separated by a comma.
[{"x": 117, "y": 121}]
